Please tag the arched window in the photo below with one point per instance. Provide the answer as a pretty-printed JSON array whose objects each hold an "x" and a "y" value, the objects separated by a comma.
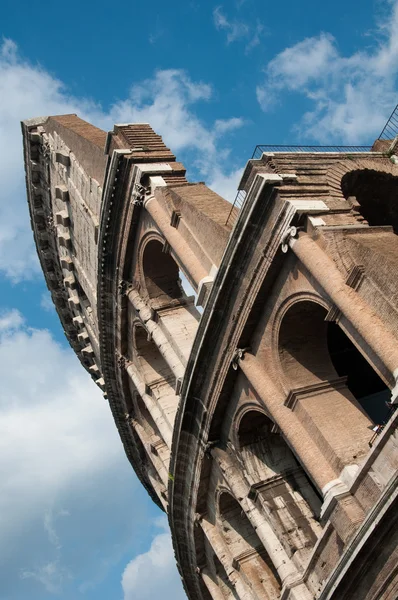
[
  {"x": 281, "y": 484},
  {"x": 161, "y": 274},
  {"x": 303, "y": 347},
  {"x": 152, "y": 365},
  {"x": 362, "y": 380},
  {"x": 331, "y": 409},
  {"x": 175, "y": 310},
  {"x": 376, "y": 196},
  {"x": 313, "y": 349},
  {"x": 247, "y": 550}
]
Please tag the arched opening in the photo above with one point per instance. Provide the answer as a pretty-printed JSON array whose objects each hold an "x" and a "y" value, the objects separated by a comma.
[
  {"x": 175, "y": 309},
  {"x": 161, "y": 274},
  {"x": 362, "y": 380},
  {"x": 281, "y": 484},
  {"x": 303, "y": 348},
  {"x": 247, "y": 550},
  {"x": 158, "y": 377},
  {"x": 312, "y": 349},
  {"x": 376, "y": 196},
  {"x": 152, "y": 365},
  {"x": 328, "y": 408}
]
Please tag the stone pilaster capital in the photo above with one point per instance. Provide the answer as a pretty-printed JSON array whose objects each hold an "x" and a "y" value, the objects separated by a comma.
[
  {"x": 123, "y": 287},
  {"x": 239, "y": 355},
  {"x": 289, "y": 234},
  {"x": 122, "y": 361}
]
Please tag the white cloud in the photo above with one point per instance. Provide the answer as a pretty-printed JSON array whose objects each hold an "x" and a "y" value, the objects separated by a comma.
[
  {"x": 350, "y": 96},
  {"x": 46, "y": 302},
  {"x": 61, "y": 461},
  {"x": 153, "y": 574},
  {"x": 166, "y": 101},
  {"x": 235, "y": 29},
  {"x": 238, "y": 30},
  {"x": 226, "y": 184},
  {"x": 10, "y": 320}
]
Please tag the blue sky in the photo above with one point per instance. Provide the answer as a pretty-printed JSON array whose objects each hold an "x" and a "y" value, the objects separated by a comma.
[{"x": 215, "y": 80}]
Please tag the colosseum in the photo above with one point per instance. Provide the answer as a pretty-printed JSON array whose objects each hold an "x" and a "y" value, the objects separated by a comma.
[{"x": 257, "y": 409}]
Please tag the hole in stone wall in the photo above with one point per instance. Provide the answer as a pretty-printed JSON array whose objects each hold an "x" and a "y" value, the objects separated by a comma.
[
  {"x": 153, "y": 366},
  {"x": 303, "y": 350},
  {"x": 362, "y": 380},
  {"x": 376, "y": 194},
  {"x": 266, "y": 456},
  {"x": 161, "y": 273}
]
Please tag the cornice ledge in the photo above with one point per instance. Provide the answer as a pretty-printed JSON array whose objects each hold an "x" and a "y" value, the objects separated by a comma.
[
  {"x": 112, "y": 203},
  {"x": 314, "y": 389}
]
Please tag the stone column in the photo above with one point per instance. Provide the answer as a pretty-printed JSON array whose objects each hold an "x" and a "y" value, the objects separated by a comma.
[
  {"x": 303, "y": 445},
  {"x": 240, "y": 489},
  {"x": 187, "y": 259},
  {"x": 213, "y": 588},
  {"x": 353, "y": 307},
  {"x": 219, "y": 546},
  {"x": 163, "y": 344},
  {"x": 156, "y": 413}
]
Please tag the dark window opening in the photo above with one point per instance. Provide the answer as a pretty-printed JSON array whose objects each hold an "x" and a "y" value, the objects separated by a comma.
[
  {"x": 376, "y": 194},
  {"x": 362, "y": 380}
]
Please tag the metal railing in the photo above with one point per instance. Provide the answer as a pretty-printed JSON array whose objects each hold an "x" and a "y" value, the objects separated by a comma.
[
  {"x": 261, "y": 148},
  {"x": 390, "y": 131}
]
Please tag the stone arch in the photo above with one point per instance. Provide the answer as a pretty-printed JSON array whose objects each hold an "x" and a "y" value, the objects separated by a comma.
[
  {"x": 249, "y": 555},
  {"x": 362, "y": 380},
  {"x": 156, "y": 374},
  {"x": 161, "y": 279},
  {"x": 302, "y": 343},
  {"x": 150, "y": 361},
  {"x": 340, "y": 168},
  {"x": 318, "y": 394},
  {"x": 279, "y": 483},
  {"x": 160, "y": 273},
  {"x": 374, "y": 195}
]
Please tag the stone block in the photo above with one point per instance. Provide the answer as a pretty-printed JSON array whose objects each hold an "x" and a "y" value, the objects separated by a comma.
[
  {"x": 67, "y": 263},
  {"x": 62, "y": 218},
  {"x": 64, "y": 239},
  {"x": 62, "y": 193},
  {"x": 62, "y": 158},
  {"x": 88, "y": 351}
]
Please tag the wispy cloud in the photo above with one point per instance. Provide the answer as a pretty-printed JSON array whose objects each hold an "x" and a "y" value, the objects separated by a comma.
[
  {"x": 238, "y": 30},
  {"x": 52, "y": 575},
  {"x": 10, "y": 321},
  {"x": 351, "y": 96}
]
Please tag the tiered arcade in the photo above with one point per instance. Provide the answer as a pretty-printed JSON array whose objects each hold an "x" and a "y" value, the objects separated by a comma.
[{"x": 248, "y": 408}]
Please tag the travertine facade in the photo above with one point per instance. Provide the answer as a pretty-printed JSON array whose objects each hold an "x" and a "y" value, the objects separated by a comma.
[{"x": 249, "y": 423}]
